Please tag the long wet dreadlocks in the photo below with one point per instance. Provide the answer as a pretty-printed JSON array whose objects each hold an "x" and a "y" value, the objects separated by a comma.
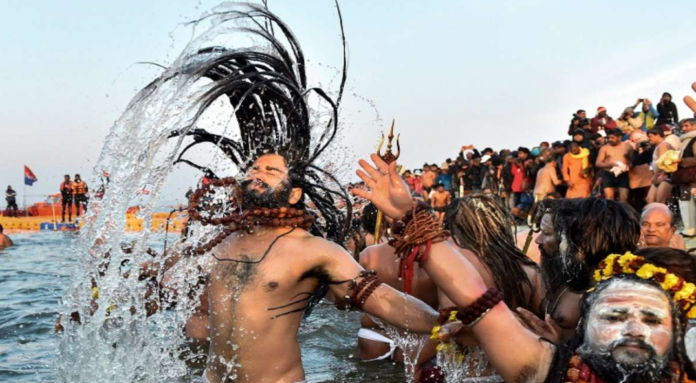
[
  {"x": 479, "y": 223},
  {"x": 268, "y": 91},
  {"x": 587, "y": 230}
]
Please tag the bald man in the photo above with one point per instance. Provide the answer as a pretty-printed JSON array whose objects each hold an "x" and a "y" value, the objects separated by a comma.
[{"x": 657, "y": 228}]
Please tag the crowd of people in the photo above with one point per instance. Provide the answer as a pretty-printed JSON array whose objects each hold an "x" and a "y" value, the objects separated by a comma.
[{"x": 644, "y": 156}]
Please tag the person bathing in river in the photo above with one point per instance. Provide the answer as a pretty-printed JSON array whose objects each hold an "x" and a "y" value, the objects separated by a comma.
[
  {"x": 5, "y": 241},
  {"x": 271, "y": 260}
]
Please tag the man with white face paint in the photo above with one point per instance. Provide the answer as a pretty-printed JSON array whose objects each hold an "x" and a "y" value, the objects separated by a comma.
[{"x": 628, "y": 332}]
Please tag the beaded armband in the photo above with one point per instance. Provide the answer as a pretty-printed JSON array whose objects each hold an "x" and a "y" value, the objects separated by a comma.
[
  {"x": 416, "y": 229},
  {"x": 473, "y": 313},
  {"x": 358, "y": 292}
]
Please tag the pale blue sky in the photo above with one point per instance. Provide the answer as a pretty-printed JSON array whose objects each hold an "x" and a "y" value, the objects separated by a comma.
[{"x": 492, "y": 73}]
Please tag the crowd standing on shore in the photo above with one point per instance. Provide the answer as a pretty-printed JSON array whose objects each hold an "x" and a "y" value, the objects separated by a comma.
[{"x": 644, "y": 156}]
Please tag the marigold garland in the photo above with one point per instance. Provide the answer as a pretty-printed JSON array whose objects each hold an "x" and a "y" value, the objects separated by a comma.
[{"x": 683, "y": 293}]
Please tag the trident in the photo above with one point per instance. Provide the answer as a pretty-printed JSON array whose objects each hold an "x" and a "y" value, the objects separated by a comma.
[{"x": 387, "y": 157}]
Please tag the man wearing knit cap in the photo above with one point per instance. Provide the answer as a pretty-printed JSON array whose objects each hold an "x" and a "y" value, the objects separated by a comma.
[{"x": 602, "y": 121}]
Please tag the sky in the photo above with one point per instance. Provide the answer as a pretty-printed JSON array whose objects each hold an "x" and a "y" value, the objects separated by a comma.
[{"x": 498, "y": 73}]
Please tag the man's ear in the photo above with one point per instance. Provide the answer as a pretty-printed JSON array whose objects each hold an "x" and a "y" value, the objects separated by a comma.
[{"x": 295, "y": 195}]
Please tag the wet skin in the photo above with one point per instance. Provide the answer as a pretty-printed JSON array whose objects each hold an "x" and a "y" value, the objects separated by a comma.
[{"x": 256, "y": 307}]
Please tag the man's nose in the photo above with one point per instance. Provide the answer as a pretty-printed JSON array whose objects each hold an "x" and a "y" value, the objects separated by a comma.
[
  {"x": 538, "y": 240},
  {"x": 634, "y": 329}
]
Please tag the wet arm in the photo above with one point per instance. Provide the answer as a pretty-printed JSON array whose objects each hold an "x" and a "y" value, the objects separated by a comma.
[
  {"x": 396, "y": 308},
  {"x": 499, "y": 331}
]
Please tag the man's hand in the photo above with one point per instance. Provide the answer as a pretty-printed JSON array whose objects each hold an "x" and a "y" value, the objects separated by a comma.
[
  {"x": 690, "y": 101},
  {"x": 450, "y": 330},
  {"x": 546, "y": 329},
  {"x": 387, "y": 191}
]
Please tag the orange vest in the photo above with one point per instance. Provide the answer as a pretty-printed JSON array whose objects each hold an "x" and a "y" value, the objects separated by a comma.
[
  {"x": 66, "y": 187},
  {"x": 79, "y": 187}
]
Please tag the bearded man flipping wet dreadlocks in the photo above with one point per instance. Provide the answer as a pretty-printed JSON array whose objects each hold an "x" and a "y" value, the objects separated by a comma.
[
  {"x": 272, "y": 260},
  {"x": 630, "y": 326}
]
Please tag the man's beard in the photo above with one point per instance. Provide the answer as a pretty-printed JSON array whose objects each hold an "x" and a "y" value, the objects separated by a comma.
[
  {"x": 606, "y": 365},
  {"x": 551, "y": 266},
  {"x": 559, "y": 270},
  {"x": 269, "y": 198}
]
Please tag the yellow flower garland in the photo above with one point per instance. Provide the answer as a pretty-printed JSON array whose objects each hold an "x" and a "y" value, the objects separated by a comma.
[
  {"x": 446, "y": 346},
  {"x": 684, "y": 292}
]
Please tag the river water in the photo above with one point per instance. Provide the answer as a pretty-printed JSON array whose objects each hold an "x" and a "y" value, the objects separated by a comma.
[{"x": 35, "y": 273}]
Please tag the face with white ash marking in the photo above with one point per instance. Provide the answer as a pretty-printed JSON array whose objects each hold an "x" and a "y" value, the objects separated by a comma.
[{"x": 631, "y": 322}]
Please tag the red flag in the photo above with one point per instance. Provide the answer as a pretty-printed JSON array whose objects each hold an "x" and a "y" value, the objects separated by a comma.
[{"x": 29, "y": 177}]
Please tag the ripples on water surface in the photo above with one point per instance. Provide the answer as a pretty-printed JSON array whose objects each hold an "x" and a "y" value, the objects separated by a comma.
[{"x": 34, "y": 274}]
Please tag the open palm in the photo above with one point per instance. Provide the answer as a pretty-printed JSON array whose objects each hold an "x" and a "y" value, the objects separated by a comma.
[{"x": 386, "y": 190}]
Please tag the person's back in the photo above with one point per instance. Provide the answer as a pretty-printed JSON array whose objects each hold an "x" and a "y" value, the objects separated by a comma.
[{"x": 546, "y": 181}]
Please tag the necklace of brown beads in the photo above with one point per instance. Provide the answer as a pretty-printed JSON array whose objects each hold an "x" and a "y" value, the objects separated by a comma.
[{"x": 240, "y": 219}]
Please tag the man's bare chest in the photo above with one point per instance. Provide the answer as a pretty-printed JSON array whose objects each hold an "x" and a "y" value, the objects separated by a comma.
[{"x": 244, "y": 271}]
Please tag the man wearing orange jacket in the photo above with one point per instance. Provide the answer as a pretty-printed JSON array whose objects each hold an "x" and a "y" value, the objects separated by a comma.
[{"x": 80, "y": 190}]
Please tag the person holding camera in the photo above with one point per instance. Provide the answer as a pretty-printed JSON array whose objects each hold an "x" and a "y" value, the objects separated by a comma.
[
  {"x": 667, "y": 111},
  {"x": 648, "y": 113},
  {"x": 579, "y": 121},
  {"x": 629, "y": 122}
]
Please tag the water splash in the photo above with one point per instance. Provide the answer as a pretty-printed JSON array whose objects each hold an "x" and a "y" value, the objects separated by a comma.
[
  {"x": 116, "y": 340},
  {"x": 460, "y": 364},
  {"x": 411, "y": 344}
]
